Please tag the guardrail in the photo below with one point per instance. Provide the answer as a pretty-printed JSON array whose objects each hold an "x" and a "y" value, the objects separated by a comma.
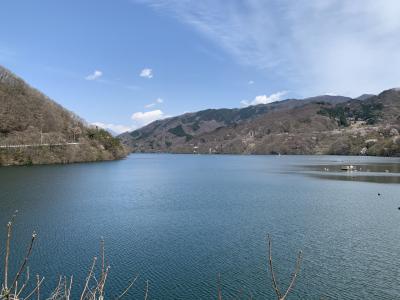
[{"x": 37, "y": 145}]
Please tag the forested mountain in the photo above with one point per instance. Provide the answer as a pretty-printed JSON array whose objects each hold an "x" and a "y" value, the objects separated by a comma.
[
  {"x": 367, "y": 125},
  {"x": 36, "y": 130}
]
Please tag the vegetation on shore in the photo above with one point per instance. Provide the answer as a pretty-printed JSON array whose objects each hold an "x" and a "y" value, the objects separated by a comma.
[{"x": 36, "y": 130}]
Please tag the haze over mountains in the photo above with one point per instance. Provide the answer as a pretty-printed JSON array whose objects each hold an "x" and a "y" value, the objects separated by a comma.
[
  {"x": 367, "y": 125},
  {"x": 36, "y": 130}
]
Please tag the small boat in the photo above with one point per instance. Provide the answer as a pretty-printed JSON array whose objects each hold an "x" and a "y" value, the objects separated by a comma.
[{"x": 348, "y": 168}]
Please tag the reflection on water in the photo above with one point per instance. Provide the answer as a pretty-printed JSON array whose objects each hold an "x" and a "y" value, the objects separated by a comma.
[
  {"x": 359, "y": 177},
  {"x": 355, "y": 171}
]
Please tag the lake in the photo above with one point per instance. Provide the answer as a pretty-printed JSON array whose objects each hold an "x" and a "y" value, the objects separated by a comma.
[{"x": 180, "y": 220}]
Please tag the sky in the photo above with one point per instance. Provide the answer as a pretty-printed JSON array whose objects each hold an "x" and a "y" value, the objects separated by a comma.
[{"x": 121, "y": 64}]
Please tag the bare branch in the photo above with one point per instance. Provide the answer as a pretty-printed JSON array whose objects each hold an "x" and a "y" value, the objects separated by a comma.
[
  {"x": 70, "y": 288},
  {"x": 219, "y": 287},
  {"x": 36, "y": 289},
  {"x": 274, "y": 283},
  {"x": 9, "y": 233},
  {"x": 103, "y": 270},
  {"x": 57, "y": 290},
  {"x": 65, "y": 287},
  {"x": 294, "y": 275},
  {"x": 101, "y": 284},
  {"x": 23, "y": 265},
  {"x": 102, "y": 256},
  {"x": 38, "y": 283},
  {"x": 128, "y": 288},
  {"x": 27, "y": 277},
  {"x": 88, "y": 278},
  {"x": 147, "y": 290}
]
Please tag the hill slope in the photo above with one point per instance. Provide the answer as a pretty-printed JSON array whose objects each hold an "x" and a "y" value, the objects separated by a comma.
[
  {"x": 368, "y": 125},
  {"x": 44, "y": 131}
]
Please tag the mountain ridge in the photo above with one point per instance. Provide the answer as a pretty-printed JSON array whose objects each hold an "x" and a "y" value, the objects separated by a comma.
[{"x": 316, "y": 125}]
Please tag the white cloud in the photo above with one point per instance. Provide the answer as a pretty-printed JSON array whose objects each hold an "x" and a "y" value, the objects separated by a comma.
[
  {"x": 250, "y": 82},
  {"x": 156, "y": 102},
  {"x": 139, "y": 119},
  {"x": 95, "y": 75},
  {"x": 244, "y": 103},
  {"x": 264, "y": 99},
  {"x": 150, "y": 105},
  {"x": 349, "y": 47},
  {"x": 146, "y": 73},
  {"x": 144, "y": 118},
  {"x": 114, "y": 128}
]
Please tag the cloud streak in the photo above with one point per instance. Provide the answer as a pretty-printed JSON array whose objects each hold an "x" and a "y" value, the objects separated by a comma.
[
  {"x": 95, "y": 75},
  {"x": 156, "y": 102},
  {"x": 264, "y": 99},
  {"x": 348, "y": 47}
]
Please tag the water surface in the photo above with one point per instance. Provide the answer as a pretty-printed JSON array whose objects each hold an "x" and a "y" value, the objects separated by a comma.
[{"x": 180, "y": 220}]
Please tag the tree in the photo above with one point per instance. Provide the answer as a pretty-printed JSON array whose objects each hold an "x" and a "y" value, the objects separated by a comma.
[{"x": 76, "y": 131}]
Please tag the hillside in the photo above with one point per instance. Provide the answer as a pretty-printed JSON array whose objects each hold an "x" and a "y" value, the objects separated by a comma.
[
  {"x": 36, "y": 130},
  {"x": 368, "y": 125}
]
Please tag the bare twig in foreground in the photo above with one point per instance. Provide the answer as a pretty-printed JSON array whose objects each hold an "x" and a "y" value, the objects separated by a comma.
[
  {"x": 36, "y": 289},
  {"x": 9, "y": 232},
  {"x": 127, "y": 289},
  {"x": 294, "y": 275},
  {"x": 23, "y": 265},
  {"x": 93, "y": 289},
  {"x": 147, "y": 290},
  {"x": 88, "y": 278},
  {"x": 219, "y": 287}
]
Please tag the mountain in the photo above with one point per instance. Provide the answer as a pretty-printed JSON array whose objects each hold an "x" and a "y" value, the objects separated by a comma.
[
  {"x": 318, "y": 125},
  {"x": 36, "y": 130},
  {"x": 365, "y": 96}
]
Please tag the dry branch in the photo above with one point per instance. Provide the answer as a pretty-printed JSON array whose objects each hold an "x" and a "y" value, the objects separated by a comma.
[
  {"x": 147, "y": 290},
  {"x": 274, "y": 281},
  {"x": 93, "y": 288},
  {"x": 23, "y": 265},
  {"x": 127, "y": 288}
]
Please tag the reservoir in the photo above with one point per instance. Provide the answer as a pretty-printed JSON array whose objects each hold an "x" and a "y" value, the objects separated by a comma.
[{"x": 183, "y": 221}]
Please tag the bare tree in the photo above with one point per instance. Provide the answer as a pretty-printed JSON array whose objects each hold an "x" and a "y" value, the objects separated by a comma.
[{"x": 76, "y": 131}]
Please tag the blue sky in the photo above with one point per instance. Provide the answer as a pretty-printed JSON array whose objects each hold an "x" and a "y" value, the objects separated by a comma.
[{"x": 123, "y": 63}]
